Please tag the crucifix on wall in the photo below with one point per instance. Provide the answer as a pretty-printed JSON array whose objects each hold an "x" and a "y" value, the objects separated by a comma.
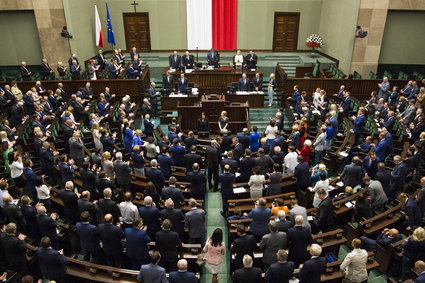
[{"x": 134, "y": 4}]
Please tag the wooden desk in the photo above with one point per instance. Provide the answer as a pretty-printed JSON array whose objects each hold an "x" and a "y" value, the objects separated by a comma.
[
  {"x": 216, "y": 80},
  {"x": 254, "y": 100},
  {"x": 169, "y": 103}
]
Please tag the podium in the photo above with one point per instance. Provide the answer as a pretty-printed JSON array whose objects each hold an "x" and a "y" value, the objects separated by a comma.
[{"x": 212, "y": 105}]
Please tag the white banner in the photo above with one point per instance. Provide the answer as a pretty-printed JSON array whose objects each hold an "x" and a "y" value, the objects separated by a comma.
[{"x": 199, "y": 24}]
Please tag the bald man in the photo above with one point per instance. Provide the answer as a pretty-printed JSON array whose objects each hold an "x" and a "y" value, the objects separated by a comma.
[
  {"x": 111, "y": 237},
  {"x": 226, "y": 180},
  {"x": 384, "y": 239},
  {"x": 182, "y": 275}
]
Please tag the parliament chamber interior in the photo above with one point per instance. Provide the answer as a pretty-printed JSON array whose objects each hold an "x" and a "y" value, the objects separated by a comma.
[{"x": 212, "y": 141}]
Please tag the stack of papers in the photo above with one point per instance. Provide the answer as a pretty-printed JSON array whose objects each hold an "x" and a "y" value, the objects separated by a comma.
[
  {"x": 340, "y": 184},
  {"x": 188, "y": 71},
  {"x": 343, "y": 153},
  {"x": 239, "y": 190}
]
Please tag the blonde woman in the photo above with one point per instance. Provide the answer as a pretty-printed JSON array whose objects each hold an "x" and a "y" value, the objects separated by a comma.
[
  {"x": 108, "y": 165},
  {"x": 413, "y": 250},
  {"x": 270, "y": 88},
  {"x": 223, "y": 122},
  {"x": 96, "y": 131},
  {"x": 256, "y": 183},
  {"x": 61, "y": 70},
  {"x": 16, "y": 91}
]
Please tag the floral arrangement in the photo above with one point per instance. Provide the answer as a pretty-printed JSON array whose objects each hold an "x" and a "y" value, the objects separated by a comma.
[{"x": 314, "y": 41}]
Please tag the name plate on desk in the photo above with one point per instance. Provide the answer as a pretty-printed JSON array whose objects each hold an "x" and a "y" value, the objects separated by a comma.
[
  {"x": 188, "y": 71},
  {"x": 249, "y": 92},
  {"x": 178, "y": 95}
]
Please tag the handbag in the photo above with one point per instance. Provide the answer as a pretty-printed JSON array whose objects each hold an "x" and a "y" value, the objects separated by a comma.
[{"x": 200, "y": 260}]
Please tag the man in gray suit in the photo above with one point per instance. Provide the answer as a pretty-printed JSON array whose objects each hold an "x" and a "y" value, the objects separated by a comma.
[
  {"x": 76, "y": 149},
  {"x": 152, "y": 272},
  {"x": 298, "y": 210},
  {"x": 319, "y": 145},
  {"x": 352, "y": 173},
  {"x": 194, "y": 223},
  {"x": 264, "y": 161},
  {"x": 409, "y": 114},
  {"x": 271, "y": 243},
  {"x": 122, "y": 172},
  {"x": 378, "y": 198}
]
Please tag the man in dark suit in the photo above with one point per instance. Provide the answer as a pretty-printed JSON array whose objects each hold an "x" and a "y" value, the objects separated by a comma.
[
  {"x": 251, "y": 60},
  {"x": 244, "y": 83},
  {"x": 323, "y": 219},
  {"x": 75, "y": 70},
  {"x": 227, "y": 180},
  {"x": 191, "y": 158},
  {"x": 47, "y": 225},
  {"x": 13, "y": 213},
  {"x": 28, "y": 103},
  {"x": 247, "y": 273},
  {"x": 46, "y": 71},
  {"x": 398, "y": 177},
  {"x": 155, "y": 176},
  {"x": 188, "y": 60},
  {"x": 89, "y": 238},
  {"x": 264, "y": 161},
  {"x": 169, "y": 245},
  {"x": 175, "y": 216},
  {"x": 301, "y": 174},
  {"x": 152, "y": 272},
  {"x": 174, "y": 61},
  {"x": 153, "y": 99},
  {"x": 182, "y": 275},
  {"x": 30, "y": 214},
  {"x": 111, "y": 237},
  {"x": 420, "y": 198},
  {"x": 113, "y": 69},
  {"x": 52, "y": 263},
  {"x": 197, "y": 182},
  {"x": 212, "y": 58},
  {"x": 101, "y": 61},
  {"x": 173, "y": 192},
  {"x": 167, "y": 83},
  {"x": 46, "y": 159},
  {"x": 177, "y": 150},
  {"x": 25, "y": 73},
  {"x": 312, "y": 269},
  {"x": 239, "y": 149},
  {"x": 282, "y": 224},
  {"x": 88, "y": 178},
  {"x": 245, "y": 167},
  {"x": 194, "y": 223},
  {"x": 244, "y": 137},
  {"x": 150, "y": 215},
  {"x": 280, "y": 271},
  {"x": 243, "y": 245},
  {"x": 165, "y": 161},
  {"x": 84, "y": 204},
  {"x": 137, "y": 243},
  {"x": 15, "y": 249},
  {"x": 132, "y": 73},
  {"x": 108, "y": 206},
  {"x": 122, "y": 172},
  {"x": 76, "y": 149},
  {"x": 182, "y": 84},
  {"x": 359, "y": 122},
  {"x": 212, "y": 161},
  {"x": 108, "y": 141},
  {"x": 346, "y": 103},
  {"x": 412, "y": 211},
  {"x": 420, "y": 269},
  {"x": 387, "y": 237},
  {"x": 299, "y": 237},
  {"x": 233, "y": 164},
  {"x": 70, "y": 200},
  {"x": 352, "y": 173}
]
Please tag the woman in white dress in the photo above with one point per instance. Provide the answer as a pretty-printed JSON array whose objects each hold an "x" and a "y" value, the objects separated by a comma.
[
  {"x": 256, "y": 183},
  {"x": 96, "y": 131},
  {"x": 322, "y": 184},
  {"x": 271, "y": 131},
  {"x": 238, "y": 60}
]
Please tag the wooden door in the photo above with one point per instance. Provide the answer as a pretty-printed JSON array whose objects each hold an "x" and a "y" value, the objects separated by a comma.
[
  {"x": 137, "y": 34},
  {"x": 285, "y": 35}
]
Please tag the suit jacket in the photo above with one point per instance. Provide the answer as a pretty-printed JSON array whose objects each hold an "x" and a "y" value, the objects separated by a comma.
[
  {"x": 182, "y": 84},
  {"x": 359, "y": 123},
  {"x": 89, "y": 237},
  {"x": 251, "y": 61},
  {"x": 346, "y": 105},
  {"x": 24, "y": 72},
  {"x": 260, "y": 219},
  {"x": 194, "y": 220},
  {"x": 176, "y": 217},
  {"x": 150, "y": 216},
  {"x": 111, "y": 237},
  {"x": 284, "y": 225},
  {"x": 247, "y": 275},
  {"x": 70, "y": 201},
  {"x": 155, "y": 176},
  {"x": 244, "y": 245},
  {"x": 122, "y": 172},
  {"x": 182, "y": 277},
  {"x": 245, "y": 169},
  {"x": 52, "y": 264},
  {"x": 47, "y": 226},
  {"x": 231, "y": 162},
  {"x": 312, "y": 269},
  {"x": 420, "y": 278},
  {"x": 280, "y": 272},
  {"x": 76, "y": 148},
  {"x": 169, "y": 245},
  {"x": 190, "y": 159},
  {"x": 324, "y": 216},
  {"x": 244, "y": 84},
  {"x": 14, "y": 249},
  {"x": 227, "y": 180},
  {"x": 174, "y": 61},
  {"x": 265, "y": 162},
  {"x": 152, "y": 273},
  {"x": 197, "y": 182},
  {"x": 301, "y": 173},
  {"x": 92, "y": 208},
  {"x": 258, "y": 83},
  {"x": 352, "y": 175},
  {"x": 420, "y": 199},
  {"x": 168, "y": 82},
  {"x": 109, "y": 206},
  {"x": 187, "y": 61},
  {"x": 212, "y": 157},
  {"x": 165, "y": 163},
  {"x": 46, "y": 159},
  {"x": 299, "y": 238},
  {"x": 174, "y": 193},
  {"x": 398, "y": 175},
  {"x": 177, "y": 154},
  {"x": 238, "y": 151},
  {"x": 15, "y": 215},
  {"x": 413, "y": 212},
  {"x": 132, "y": 73},
  {"x": 137, "y": 243},
  {"x": 270, "y": 244},
  {"x": 212, "y": 58},
  {"x": 30, "y": 214},
  {"x": 377, "y": 194}
]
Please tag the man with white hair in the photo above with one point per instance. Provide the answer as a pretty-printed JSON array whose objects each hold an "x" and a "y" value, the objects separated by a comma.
[
  {"x": 76, "y": 148},
  {"x": 281, "y": 223},
  {"x": 150, "y": 215},
  {"x": 70, "y": 201},
  {"x": 247, "y": 274},
  {"x": 25, "y": 73},
  {"x": 122, "y": 172},
  {"x": 182, "y": 275},
  {"x": 313, "y": 268},
  {"x": 384, "y": 87}
]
